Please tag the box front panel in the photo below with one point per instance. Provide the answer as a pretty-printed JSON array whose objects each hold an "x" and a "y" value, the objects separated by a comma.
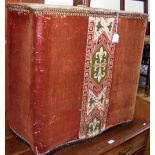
[
  {"x": 126, "y": 70},
  {"x": 78, "y": 82},
  {"x": 58, "y": 78}
]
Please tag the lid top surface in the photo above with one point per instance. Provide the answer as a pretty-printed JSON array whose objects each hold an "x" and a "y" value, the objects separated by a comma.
[{"x": 33, "y": 7}]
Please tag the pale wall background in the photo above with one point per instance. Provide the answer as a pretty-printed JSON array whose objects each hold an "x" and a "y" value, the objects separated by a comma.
[
  {"x": 130, "y": 5},
  {"x": 107, "y": 4}
]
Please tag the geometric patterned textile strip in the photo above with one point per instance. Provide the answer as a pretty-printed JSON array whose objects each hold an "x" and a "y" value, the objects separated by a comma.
[{"x": 97, "y": 75}]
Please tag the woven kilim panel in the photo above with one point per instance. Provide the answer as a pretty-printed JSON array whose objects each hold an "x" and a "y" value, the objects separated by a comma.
[
  {"x": 71, "y": 72},
  {"x": 97, "y": 75}
]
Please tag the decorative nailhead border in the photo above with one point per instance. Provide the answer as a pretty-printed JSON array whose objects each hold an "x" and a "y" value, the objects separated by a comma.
[{"x": 75, "y": 11}]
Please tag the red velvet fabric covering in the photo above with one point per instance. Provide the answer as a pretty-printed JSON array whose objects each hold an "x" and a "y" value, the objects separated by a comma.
[{"x": 45, "y": 73}]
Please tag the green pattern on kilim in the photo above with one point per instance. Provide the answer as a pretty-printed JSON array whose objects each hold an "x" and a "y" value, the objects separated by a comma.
[
  {"x": 94, "y": 127},
  {"x": 99, "y": 65},
  {"x": 99, "y": 26}
]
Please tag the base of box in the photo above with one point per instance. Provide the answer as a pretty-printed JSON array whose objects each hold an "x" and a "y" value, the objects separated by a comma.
[{"x": 70, "y": 143}]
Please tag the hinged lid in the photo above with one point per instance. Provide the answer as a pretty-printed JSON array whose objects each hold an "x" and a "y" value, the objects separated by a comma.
[{"x": 71, "y": 10}]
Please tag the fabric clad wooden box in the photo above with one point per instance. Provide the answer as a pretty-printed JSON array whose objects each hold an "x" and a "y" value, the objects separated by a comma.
[{"x": 69, "y": 77}]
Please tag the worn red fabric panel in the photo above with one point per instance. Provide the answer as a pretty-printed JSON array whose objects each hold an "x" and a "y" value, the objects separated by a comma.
[
  {"x": 59, "y": 58},
  {"x": 46, "y": 54},
  {"x": 19, "y": 56},
  {"x": 126, "y": 70}
]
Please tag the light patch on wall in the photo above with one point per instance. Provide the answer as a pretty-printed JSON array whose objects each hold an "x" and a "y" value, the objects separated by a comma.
[
  {"x": 110, "y": 4},
  {"x": 149, "y": 9},
  {"x": 59, "y": 2},
  {"x": 135, "y": 6}
]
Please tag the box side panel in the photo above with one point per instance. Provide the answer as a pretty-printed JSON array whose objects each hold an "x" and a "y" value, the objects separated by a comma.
[
  {"x": 126, "y": 70},
  {"x": 18, "y": 67},
  {"x": 58, "y": 79}
]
